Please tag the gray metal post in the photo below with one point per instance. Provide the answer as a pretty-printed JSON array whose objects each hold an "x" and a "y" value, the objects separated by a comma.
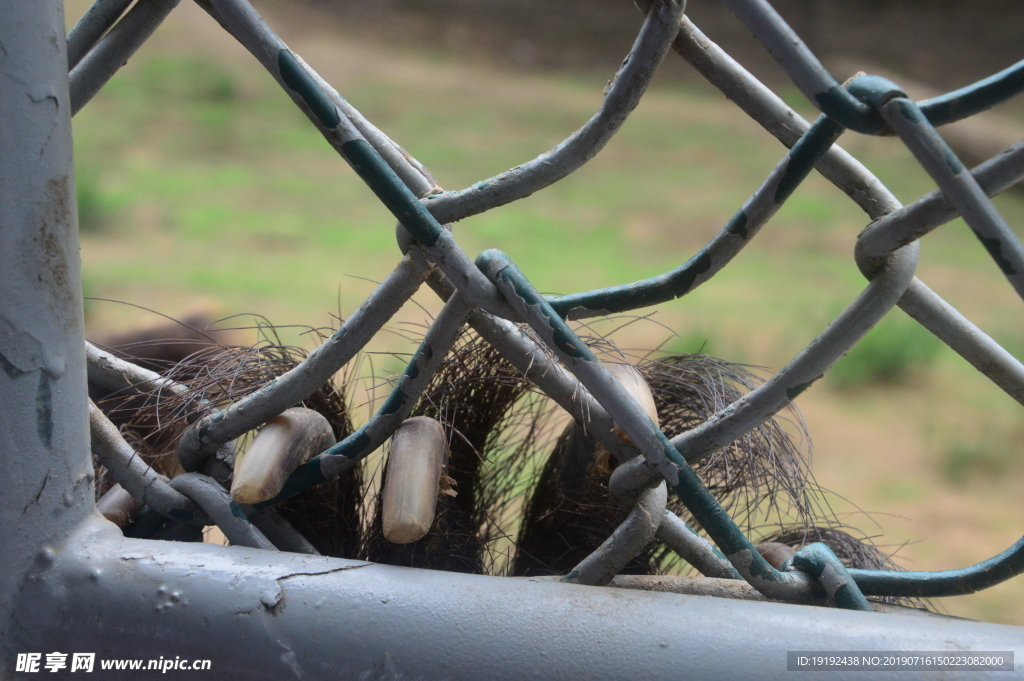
[
  {"x": 271, "y": 615},
  {"x": 45, "y": 470}
]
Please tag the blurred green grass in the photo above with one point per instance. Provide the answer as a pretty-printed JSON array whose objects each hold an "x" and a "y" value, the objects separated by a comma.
[
  {"x": 217, "y": 165},
  {"x": 201, "y": 184}
]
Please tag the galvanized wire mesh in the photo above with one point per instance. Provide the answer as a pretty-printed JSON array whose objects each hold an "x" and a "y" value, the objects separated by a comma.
[{"x": 494, "y": 298}]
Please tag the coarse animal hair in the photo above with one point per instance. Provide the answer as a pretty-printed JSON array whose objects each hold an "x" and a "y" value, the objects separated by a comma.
[
  {"x": 499, "y": 426},
  {"x": 328, "y": 514},
  {"x": 492, "y": 418}
]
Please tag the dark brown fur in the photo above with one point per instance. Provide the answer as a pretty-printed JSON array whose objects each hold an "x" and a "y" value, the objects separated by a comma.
[
  {"x": 476, "y": 395},
  {"x": 494, "y": 420}
]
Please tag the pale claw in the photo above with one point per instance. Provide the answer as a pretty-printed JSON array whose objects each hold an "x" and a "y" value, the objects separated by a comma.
[
  {"x": 419, "y": 454},
  {"x": 637, "y": 387},
  {"x": 282, "y": 445}
]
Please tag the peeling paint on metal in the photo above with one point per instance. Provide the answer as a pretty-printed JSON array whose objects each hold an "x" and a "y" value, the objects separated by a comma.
[{"x": 299, "y": 80}]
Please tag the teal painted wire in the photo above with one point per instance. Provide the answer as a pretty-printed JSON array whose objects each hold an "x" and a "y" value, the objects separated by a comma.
[
  {"x": 813, "y": 79},
  {"x": 967, "y": 101},
  {"x": 392, "y": 192},
  {"x": 657, "y": 449},
  {"x": 822, "y": 89},
  {"x": 424, "y": 228},
  {"x": 838, "y": 104},
  {"x": 695, "y": 496},
  {"x": 766, "y": 201},
  {"x": 959, "y": 187},
  {"x": 801, "y": 160},
  {"x": 822, "y": 563},
  {"x": 621, "y": 96},
  {"x": 918, "y": 584},
  {"x": 211, "y": 432},
  {"x": 718, "y": 524},
  {"x": 424, "y": 364}
]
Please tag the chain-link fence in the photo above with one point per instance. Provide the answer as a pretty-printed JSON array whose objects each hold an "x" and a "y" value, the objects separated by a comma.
[{"x": 531, "y": 332}]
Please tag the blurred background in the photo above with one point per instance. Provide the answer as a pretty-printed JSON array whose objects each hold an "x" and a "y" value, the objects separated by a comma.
[{"x": 204, "y": 192}]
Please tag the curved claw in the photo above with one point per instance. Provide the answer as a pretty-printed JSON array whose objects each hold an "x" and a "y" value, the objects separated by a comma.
[
  {"x": 285, "y": 443},
  {"x": 637, "y": 387},
  {"x": 419, "y": 454}
]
